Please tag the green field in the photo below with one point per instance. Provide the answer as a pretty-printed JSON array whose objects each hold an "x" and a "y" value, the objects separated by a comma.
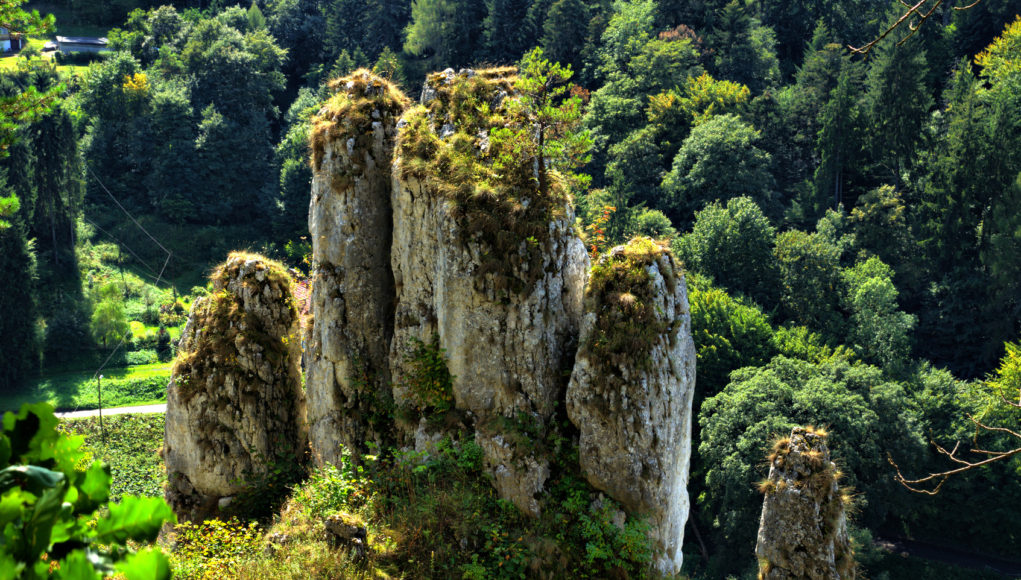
[
  {"x": 131, "y": 448},
  {"x": 137, "y": 385}
]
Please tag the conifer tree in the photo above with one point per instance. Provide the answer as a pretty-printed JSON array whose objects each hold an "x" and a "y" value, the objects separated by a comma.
[
  {"x": 507, "y": 29},
  {"x": 564, "y": 31},
  {"x": 897, "y": 102},
  {"x": 837, "y": 143},
  {"x": 19, "y": 347}
]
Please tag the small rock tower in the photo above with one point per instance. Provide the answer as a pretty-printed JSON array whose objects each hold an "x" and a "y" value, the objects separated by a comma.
[
  {"x": 631, "y": 390},
  {"x": 235, "y": 403},
  {"x": 803, "y": 529}
]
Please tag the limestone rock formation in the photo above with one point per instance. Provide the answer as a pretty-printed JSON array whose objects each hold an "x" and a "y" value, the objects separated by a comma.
[
  {"x": 235, "y": 403},
  {"x": 631, "y": 390},
  {"x": 481, "y": 324},
  {"x": 491, "y": 266},
  {"x": 350, "y": 221},
  {"x": 803, "y": 529}
]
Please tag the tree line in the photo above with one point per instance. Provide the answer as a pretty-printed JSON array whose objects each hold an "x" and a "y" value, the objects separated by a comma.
[{"x": 848, "y": 223}]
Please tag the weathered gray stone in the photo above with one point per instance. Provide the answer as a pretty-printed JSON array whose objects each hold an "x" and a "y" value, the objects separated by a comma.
[
  {"x": 348, "y": 376},
  {"x": 631, "y": 390},
  {"x": 506, "y": 351},
  {"x": 803, "y": 528},
  {"x": 346, "y": 530},
  {"x": 506, "y": 319},
  {"x": 235, "y": 403}
]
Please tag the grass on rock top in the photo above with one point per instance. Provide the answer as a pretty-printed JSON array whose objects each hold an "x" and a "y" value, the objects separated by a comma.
[
  {"x": 471, "y": 149},
  {"x": 225, "y": 324},
  {"x": 621, "y": 291},
  {"x": 348, "y": 114}
]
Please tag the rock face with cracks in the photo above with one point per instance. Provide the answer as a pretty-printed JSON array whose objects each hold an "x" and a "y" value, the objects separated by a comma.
[
  {"x": 631, "y": 391},
  {"x": 454, "y": 294},
  {"x": 504, "y": 299},
  {"x": 235, "y": 403},
  {"x": 803, "y": 529},
  {"x": 350, "y": 220}
]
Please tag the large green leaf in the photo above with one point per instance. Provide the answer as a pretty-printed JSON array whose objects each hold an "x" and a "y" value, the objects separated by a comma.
[
  {"x": 5, "y": 451},
  {"x": 9, "y": 567},
  {"x": 29, "y": 428},
  {"x": 12, "y": 505},
  {"x": 30, "y": 478},
  {"x": 39, "y": 527},
  {"x": 76, "y": 567},
  {"x": 134, "y": 518},
  {"x": 147, "y": 564},
  {"x": 94, "y": 489}
]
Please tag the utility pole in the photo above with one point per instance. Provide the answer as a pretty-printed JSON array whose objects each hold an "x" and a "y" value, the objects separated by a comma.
[{"x": 99, "y": 387}]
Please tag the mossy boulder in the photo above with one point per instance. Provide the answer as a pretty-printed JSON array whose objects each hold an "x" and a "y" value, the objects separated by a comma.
[{"x": 235, "y": 405}]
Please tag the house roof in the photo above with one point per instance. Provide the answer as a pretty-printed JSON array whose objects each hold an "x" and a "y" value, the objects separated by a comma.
[
  {"x": 303, "y": 296},
  {"x": 93, "y": 40}
]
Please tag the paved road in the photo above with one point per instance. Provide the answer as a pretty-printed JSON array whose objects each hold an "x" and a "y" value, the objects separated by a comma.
[{"x": 115, "y": 411}]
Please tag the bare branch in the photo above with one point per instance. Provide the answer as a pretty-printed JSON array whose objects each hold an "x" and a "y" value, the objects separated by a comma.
[
  {"x": 916, "y": 485},
  {"x": 917, "y": 10}
]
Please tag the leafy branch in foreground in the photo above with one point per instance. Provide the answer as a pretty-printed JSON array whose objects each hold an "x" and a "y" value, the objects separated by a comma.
[
  {"x": 28, "y": 105},
  {"x": 50, "y": 512}
]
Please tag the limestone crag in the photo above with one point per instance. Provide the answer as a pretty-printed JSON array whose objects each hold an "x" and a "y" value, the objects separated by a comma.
[
  {"x": 803, "y": 528},
  {"x": 486, "y": 304},
  {"x": 235, "y": 403},
  {"x": 631, "y": 391},
  {"x": 353, "y": 290},
  {"x": 507, "y": 317}
]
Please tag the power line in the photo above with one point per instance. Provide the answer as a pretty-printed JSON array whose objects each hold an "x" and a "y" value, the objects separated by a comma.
[
  {"x": 115, "y": 200},
  {"x": 120, "y": 243},
  {"x": 159, "y": 276}
]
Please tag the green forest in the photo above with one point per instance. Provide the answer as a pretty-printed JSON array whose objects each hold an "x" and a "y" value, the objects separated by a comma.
[{"x": 841, "y": 184}]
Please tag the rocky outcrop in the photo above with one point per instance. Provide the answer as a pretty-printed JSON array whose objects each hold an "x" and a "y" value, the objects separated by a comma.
[
  {"x": 350, "y": 220},
  {"x": 631, "y": 390},
  {"x": 235, "y": 404},
  {"x": 489, "y": 266},
  {"x": 803, "y": 529},
  {"x": 478, "y": 330}
]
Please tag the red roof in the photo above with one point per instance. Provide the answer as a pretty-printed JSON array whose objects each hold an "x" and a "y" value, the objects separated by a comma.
[{"x": 303, "y": 296}]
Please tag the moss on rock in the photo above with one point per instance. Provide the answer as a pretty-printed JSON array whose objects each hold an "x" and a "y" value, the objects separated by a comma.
[
  {"x": 622, "y": 293},
  {"x": 458, "y": 143},
  {"x": 235, "y": 406},
  {"x": 361, "y": 99}
]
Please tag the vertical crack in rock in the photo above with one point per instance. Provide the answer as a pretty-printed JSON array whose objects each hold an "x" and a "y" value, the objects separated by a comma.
[
  {"x": 803, "y": 528},
  {"x": 631, "y": 390},
  {"x": 350, "y": 220},
  {"x": 235, "y": 403},
  {"x": 489, "y": 265}
]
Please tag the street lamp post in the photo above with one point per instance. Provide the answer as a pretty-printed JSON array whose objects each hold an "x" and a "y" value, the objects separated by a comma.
[{"x": 99, "y": 387}]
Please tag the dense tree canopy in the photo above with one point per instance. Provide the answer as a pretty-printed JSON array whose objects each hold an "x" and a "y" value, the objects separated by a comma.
[{"x": 848, "y": 225}]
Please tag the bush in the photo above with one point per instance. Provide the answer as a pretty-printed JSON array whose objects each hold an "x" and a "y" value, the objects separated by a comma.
[
  {"x": 141, "y": 357},
  {"x": 77, "y": 58}
]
